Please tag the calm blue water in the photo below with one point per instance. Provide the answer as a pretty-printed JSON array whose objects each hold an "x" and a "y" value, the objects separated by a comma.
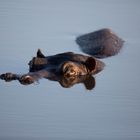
[{"x": 45, "y": 110}]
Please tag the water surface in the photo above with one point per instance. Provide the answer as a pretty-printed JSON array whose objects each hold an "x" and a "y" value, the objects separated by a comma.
[{"x": 45, "y": 110}]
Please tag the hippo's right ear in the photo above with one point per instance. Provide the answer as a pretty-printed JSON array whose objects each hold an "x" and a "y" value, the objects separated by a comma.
[
  {"x": 90, "y": 64},
  {"x": 40, "y": 54}
]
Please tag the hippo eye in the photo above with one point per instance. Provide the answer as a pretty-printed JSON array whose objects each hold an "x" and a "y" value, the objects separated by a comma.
[
  {"x": 65, "y": 69},
  {"x": 73, "y": 72},
  {"x": 69, "y": 71}
]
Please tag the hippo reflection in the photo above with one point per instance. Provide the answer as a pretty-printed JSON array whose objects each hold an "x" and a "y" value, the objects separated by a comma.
[{"x": 70, "y": 68}]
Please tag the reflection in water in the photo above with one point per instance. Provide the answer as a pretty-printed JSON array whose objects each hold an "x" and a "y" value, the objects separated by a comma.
[{"x": 87, "y": 80}]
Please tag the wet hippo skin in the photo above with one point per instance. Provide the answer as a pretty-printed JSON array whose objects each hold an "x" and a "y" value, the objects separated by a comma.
[
  {"x": 101, "y": 44},
  {"x": 66, "y": 68},
  {"x": 71, "y": 68}
]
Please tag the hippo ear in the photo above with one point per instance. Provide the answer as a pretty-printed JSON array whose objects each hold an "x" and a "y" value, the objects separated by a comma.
[
  {"x": 90, "y": 63},
  {"x": 40, "y": 54},
  {"x": 89, "y": 82}
]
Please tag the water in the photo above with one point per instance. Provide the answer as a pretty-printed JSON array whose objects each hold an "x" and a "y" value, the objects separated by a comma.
[{"x": 45, "y": 110}]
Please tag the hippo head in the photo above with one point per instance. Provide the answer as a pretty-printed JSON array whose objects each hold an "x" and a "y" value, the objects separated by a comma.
[{"x": 70, "y": 68}]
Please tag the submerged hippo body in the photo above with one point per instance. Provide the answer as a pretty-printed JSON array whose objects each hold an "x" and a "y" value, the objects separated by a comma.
[
  {"x": 102, "y": 43},
  {"x": 70, "y": 68}
]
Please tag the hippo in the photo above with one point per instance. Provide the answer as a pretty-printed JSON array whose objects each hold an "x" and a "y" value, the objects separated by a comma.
[
  {"x": 70, "y": 68},
  {"x": 100, "y": 44}
]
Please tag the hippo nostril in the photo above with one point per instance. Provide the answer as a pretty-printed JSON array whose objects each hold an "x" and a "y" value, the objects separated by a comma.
[
  {"x": 26, "y": 79},
  {"x": 8, "y": 76}
]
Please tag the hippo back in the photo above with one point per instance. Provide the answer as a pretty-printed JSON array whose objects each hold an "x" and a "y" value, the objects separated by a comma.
[{"x": 101, "y": 43}]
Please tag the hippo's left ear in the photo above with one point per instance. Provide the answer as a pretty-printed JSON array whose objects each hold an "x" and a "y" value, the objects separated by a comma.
[
  {"x": 90, "y": 63},
  {"x": 40, "y": 54}
]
